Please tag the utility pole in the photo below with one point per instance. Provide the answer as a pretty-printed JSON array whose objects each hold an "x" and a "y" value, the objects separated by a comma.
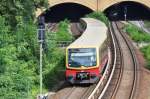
[{"x": 41, "y": 37}]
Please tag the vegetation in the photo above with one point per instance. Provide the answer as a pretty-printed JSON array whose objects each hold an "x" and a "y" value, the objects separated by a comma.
[
  {"x": 99, "y": 16},
  {"x": 18, "y": 60},
  {"x": 147, "y": 24},
  {"x": 137, "y": 34},
  {"x": 146, "y": 52},
  {"x": 19, "y": 51},
  {"x": 14, "y": 9},
  {"x": 140, "y": 36},
  {"x": 63, "y": 34},
  {"x": 19, "y": 73},
  {"x": 55, "y": 57}
]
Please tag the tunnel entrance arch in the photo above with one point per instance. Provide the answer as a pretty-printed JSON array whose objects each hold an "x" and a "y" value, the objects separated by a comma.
[
  {"x": 70, "y": 11},
  {"x": 128, "y": 10},
  {"x": 114, "y": 8}
]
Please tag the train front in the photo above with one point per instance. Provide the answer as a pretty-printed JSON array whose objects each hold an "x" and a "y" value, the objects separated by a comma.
[{"x": 82, "y": 65}]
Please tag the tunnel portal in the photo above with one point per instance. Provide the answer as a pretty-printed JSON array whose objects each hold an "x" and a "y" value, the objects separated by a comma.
[
  {"x": 70, "y": 11},
  {"x": 128, "y": 10}
]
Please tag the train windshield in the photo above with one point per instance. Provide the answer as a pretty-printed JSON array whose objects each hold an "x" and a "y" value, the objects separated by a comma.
[{"x": 82, "y": 57}]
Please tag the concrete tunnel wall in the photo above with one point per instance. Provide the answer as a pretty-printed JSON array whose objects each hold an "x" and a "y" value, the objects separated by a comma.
[{"x": 95, "y": 5}]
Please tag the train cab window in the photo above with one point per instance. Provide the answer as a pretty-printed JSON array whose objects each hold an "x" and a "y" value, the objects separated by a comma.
[{"x": 82, "y": 57}]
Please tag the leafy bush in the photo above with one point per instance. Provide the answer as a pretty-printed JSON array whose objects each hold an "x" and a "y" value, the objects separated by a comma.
[
  {"x": 148, "y": 65},
  {"x": 63, "y": 34},
  {"x": 18, "y": 49},
  {"x": 147, "y": 24},
  {"x": 99, "y": 16},
  {"x": 139, "y": 36},
  {"x": 19, "y": 52},
  {"x": 17, "y": 62},
  {"x": 54, "y": 57},
  {"x": 18, "y": 8},
  {"x": 54, "y": 68},
  {"x": 136, "y": 34},
  {"x": 146, "y": 51}
]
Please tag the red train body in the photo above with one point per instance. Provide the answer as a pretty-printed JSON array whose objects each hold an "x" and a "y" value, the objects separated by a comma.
[{"x": 86, "y": 58}]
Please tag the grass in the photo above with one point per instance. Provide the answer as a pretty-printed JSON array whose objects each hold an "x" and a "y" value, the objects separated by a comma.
[
  {"x": 140, "y": 36},
  {"x": 137, "y": 34},
  {"x": 146, "y": 51}
]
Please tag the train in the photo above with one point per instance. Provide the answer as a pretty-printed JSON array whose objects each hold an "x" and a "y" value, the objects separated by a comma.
[{"x": 87, "y": 56}]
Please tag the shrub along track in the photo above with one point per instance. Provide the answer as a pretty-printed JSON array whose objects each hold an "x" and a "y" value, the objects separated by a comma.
[{"x": 127, "y": 83}]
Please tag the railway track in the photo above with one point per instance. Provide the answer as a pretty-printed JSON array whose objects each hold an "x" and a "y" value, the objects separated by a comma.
[
  {"x": 135, "y": 64},
  {"x": 116, "y": 78},
  {"x": 102, "y": 85},
  {"x": 76, "y": 30},
  {"x": 125, "y": 88},
  {"x": 74, "y": 92},
  {"x": 124, "y": 81},
  {"x": 118, "y": 82},
  {"x": 52, "y": 27}
]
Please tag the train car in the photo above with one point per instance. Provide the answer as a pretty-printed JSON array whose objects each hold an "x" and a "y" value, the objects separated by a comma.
[{"x": 86, "y": 57}]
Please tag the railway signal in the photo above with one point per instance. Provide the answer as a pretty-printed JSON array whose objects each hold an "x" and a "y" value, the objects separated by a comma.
[
  {"x": 41, "y": 29},
  {"x": 41, "y": 37},
  {"x": 125, "y": 13}
]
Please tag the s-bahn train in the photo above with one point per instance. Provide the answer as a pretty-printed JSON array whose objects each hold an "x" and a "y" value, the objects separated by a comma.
[{"x": 87, "y": 57}]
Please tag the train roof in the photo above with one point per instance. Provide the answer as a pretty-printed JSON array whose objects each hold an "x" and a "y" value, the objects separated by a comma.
[{"x": 93, "y": 36}]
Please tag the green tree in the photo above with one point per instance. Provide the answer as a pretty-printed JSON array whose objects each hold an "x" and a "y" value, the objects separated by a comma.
[
  {"x": 17, "y": 60},
  {"x": 13, "y": 8}
]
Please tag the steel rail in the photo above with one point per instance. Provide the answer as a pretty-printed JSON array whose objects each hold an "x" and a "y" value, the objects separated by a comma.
[
  {"x": 121, "y": 65},
  {"x": 135, "y": 68},
  {"x": 96, "y": 90},
  {"x": 135, "y": 62},
  {"x": 114, "y": 65}
]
